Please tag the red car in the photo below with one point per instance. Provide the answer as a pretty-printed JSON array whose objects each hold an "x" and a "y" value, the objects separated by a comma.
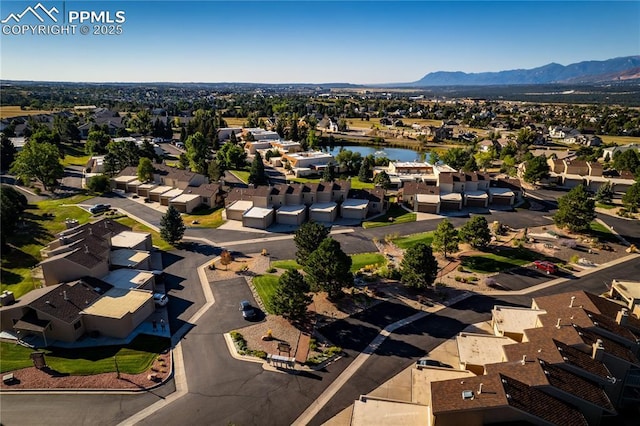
[{"x": 546, "y": 266}]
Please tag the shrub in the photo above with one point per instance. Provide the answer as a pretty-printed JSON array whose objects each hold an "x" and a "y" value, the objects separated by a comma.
[
  {"x": 98, "y": 184},
  {"x": 313, "y": 344},
  {"x": 271, "y": 270},
  {"x": 333, "y": 350},
  {"x": 575, "y": 258},
  {"x": 37, "y": 190},
  {"x": 459, "y": 279},
  {"x": 460, "y": 268}
]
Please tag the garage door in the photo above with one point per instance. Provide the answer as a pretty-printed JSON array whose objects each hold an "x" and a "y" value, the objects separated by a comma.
[
  {"x": 182, "y": 208},
  {"x": 450, "y": 205},
  {"x": 474, "y": 202},
  {"x": 502, "y": 201},
  {"x": 428, "y": 208}
]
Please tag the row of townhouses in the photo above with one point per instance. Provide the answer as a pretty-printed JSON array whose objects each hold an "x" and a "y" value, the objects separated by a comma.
[
  {"x": 569, "y": 359},
  {"x": 98, "y": 280}
]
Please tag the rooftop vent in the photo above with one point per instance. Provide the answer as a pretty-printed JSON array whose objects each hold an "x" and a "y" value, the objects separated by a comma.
[
  {"x": 467, "y": 394},
  {"x": 64, "y": 295},
  {"x": 480, "y": 389},
  {"x": 558, "y": 323},
  {"x": 573, "y": 298},
  {"x": 524, "y": 359}
]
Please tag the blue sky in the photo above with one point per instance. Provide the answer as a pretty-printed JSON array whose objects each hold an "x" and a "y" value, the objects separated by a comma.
[{"x": 327, "y": 41}]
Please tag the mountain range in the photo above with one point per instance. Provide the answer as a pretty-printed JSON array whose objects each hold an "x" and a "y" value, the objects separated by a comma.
[{"x": 616, "y": 69}]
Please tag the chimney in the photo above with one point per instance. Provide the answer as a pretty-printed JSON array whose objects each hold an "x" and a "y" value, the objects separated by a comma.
[
  {"x": 598, "y": 350},
  {"x": 524, "y": 359},
  {"x": 622, "y": 316},
  {"x": 558, "y": 324},
  {"x": 64, "y": 294},
  {"x": 573, "y": 298},
  {"x": 480, "y": 389}
]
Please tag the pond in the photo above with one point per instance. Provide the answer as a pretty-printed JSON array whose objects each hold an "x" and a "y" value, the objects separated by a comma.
[{"x": 397, "y": 154}]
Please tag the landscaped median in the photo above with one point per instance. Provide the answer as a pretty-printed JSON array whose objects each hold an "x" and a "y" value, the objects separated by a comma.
[{"x": 143, "y": 363}]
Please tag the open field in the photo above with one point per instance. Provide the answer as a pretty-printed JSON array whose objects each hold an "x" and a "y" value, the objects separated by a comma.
[
  {"x": 355, "y": 182},
  {"x": 620, "y": 140},
  {"x": 8, "y": 111},
  {"x": 235, "y": 121},
  {"x": 134, "y": 358},
  {"x": 243, "y": 175}
]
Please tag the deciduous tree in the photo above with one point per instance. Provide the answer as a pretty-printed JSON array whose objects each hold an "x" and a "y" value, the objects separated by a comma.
[
  {"x": 198, "y": 151},
  {"x": 145, "y": 170},
  {"x": 419, "y": 267},
  {"x": 631, "y": 198},
  {"x": 7, "y": 153},
  {"x": 39, "y": 161},
  {"x": 12, "y": 205}
]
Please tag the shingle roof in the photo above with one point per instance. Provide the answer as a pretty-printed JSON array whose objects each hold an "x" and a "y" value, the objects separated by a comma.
[
  {"x": 576, "y": 385},
  {"x": 577, "y": 358},
  {"x": 206, "y": 190},
  {"x": 79, "y": 295},
  {"x": 539, "y": 404},
  {"x": 605, "y": 323},
  {"x": 611, "y": 347},
  {"x": 610, "y": 309}
]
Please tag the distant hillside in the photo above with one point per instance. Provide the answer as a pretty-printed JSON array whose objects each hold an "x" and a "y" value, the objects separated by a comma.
[{"x": 588, "y": 71}]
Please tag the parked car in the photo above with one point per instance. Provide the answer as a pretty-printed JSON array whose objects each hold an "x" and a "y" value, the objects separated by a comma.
[
  {"x": 546, "y": 266},
  {"x": 160, "y": 299},
  {"x": 99, "y": 208},
  {"x": 247, "y": 310}
]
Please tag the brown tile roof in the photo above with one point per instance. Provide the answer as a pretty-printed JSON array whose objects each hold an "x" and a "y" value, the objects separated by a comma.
[
  {"x": 325, "y": 186},
  {"x": 605, "y": 323},
  {"x": 539, "y": 404},
  {"x": 239, "y": 194},
  {"x": 79, "y": 295},
  {"x": 511, "y": 183},
  {"x": 446, "y": 395},
  {"x": 610, "y": 309},
  {"x": 611, "y": 347},
  {"x": 263, "y": 191},
  {"x": 577, "y": 358},
  {"x": 85, "y": 257},
  {"x": 374, "y": 195},
  {"x": 446, "y": 177},
  {"x": 99, "y": 228},
  {"x": 295, "y": 189},
  {"x": 576, "y": 385}
]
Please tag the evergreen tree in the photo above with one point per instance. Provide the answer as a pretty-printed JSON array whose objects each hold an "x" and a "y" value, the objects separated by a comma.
[
  {"x": 171, "y": 226},
  {"x": 604, "y": 194},
  {"x": 366, "y": 173},
  {"x": 382, "y": 179},
  {"x": 307, "y": 238},
  {"x": 12, "y": 205},
  {"x": 291, "y": 296},
  {"x": 419, "y": 267},
  {"x": 631, "y": 198},
  {"x": 476, "y": 232},
  {"x": 445, "y": 238},
  {"x": 575, "y": 210},
  {"x": 7, "y": 153},
  {"x": 536, "y": 169},
  {"x": 327, "y": 174},
  {"x": 328, "y": 268},
  {"x": 257, "y": 175},
  {"x": 470, "y": 165},
  {"x": 198, "y": 151}
]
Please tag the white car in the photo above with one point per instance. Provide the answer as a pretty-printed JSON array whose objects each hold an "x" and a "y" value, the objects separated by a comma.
[{"x": 160, "y": 299}]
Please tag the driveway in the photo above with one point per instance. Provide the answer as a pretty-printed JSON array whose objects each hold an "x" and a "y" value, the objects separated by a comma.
[
  {"x": 140, "y": 210},
  {"x": 525, "y": 277}
]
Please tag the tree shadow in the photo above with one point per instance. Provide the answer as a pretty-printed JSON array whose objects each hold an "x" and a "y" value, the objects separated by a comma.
[
  {"x": 169, "y": 259},
  {"x": 9, "y": 278},
  {"x": 204, "y": 249},
  {"x": 399, "y": 348},
  {"x": 349, "y": 335}
]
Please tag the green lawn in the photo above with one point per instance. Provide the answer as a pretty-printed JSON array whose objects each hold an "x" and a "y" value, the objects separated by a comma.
[
  {"x": 286, "y": 264},
  {"x": 134, "y": 358},
  {"x": 137, "y": 226},
  {"x": 599, "y": 228},
  {"x": 355, "y": 182},
  {"x": 41, "y": 222},
  {"x": 411, "y": 240},
  {"x": 361, "y": 260},
  {"x": 606, "y": 206},
  {"x": 507, "y": 259},
  {"x": 396, "y": 212},
  {"x": 73, "y": 160},
  {"x": 243, "y": 175},
  {"x": 266, "y": 287},
  {"x": 207, "y": 218}
]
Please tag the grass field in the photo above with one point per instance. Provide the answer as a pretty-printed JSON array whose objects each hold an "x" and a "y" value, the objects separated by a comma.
[
  {"x": 598, "y": 227},
  {"x": 620, "y": 140},
  {"x": 207, "y": 218},
  {"x": 243, "y": 175},
  {"x": 134, "y": 358},
  {"x": 361, "y": 260},
  {"x": 137, "y": 226},
  {"x": 41, "y": 222},
  {"x": 606, "y": 206},
  {"x": 355, "y": 182},
  {"x": 266, "y": 287},
  {"x": 411, "y": 240},
  {"x": 492, "y": 262},
  {"x": 9, "y": 111},
  {"x": 286, "y": 264},
  {"x": 396, "y": 212}
]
